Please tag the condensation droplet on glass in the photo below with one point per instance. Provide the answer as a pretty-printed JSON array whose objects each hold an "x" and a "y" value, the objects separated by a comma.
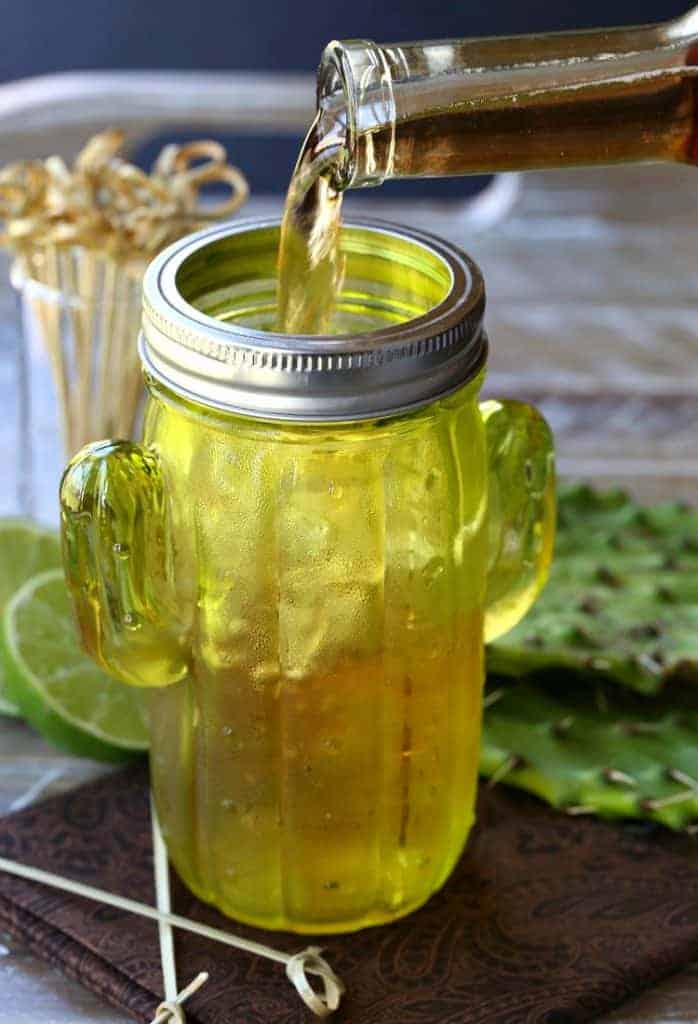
[
  {"x": 434, "y": 568},
  {"x": 266, "y": 672},
  {"x": 431, "y": 479},
  {"x": 228, "y": 657}
]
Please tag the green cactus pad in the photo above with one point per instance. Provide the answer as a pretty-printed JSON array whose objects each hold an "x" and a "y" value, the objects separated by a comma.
[
  {"x": 622, "y": 598},
  {"x": 595, "y": 750}
]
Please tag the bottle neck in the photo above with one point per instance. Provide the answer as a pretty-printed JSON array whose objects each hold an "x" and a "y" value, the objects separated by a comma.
[
  {"x": 357, "y": 110},
  {"x": 452, "y": 107}
]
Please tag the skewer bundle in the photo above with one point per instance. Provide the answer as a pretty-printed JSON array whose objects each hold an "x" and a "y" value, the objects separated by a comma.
[{"x": 81, "y": 238}]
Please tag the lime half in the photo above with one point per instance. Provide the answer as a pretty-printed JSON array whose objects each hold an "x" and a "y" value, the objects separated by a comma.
[
  {"x": 59, "y": 690},
  {"x": 25, "y": 550}
]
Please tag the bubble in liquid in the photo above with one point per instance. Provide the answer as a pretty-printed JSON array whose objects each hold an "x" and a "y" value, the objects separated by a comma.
[
  {"x": 227, "y": 730},
  {"x": 227, "y": 804},
  {"x": 121, "y": 550}
]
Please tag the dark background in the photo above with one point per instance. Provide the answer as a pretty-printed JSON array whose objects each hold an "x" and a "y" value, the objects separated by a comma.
[
  {"x": 41, "y": 36},
  {"x": 59, "y": 35}
]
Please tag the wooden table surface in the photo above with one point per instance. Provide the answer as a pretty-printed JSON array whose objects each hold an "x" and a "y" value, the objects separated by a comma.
[{"x": 592, "y": 296}]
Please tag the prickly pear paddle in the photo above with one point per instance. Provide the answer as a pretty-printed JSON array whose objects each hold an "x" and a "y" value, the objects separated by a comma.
[
  {"x": 622, "y": 598},
  {"x": 595, "y": 749}
]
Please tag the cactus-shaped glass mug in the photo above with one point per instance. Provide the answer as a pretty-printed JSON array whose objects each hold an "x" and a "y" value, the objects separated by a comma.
[{"x": 303, "y": 559}]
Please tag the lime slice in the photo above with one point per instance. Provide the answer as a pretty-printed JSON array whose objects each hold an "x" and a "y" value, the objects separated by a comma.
[
  {"x": 59, "y": 690},
  {"x": 25, "y": 550}
]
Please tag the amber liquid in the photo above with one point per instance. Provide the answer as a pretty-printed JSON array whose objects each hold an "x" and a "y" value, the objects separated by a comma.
[
  {"x": 316, "y": 770},
  {"x": 627, "y": 122},
  {"x": 311, "y": 270}
]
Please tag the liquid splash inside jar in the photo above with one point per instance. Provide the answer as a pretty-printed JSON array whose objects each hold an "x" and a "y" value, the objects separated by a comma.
[{"x": 303, "y": 558}]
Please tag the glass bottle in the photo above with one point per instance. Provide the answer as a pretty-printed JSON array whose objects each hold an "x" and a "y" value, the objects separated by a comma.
[
  {"x": 472, "y": 106},
  {"x": 303, "y": 559}
]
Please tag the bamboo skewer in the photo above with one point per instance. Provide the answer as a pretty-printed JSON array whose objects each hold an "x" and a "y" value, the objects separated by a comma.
[
  {"x": 106, "y": 329},
  {"x": 80, "y": 345},
  {"x": 85, "y": 273},
  {"x": 298, "y": 965},
  {"x": 54, "y": 341},
  {"x": 131, "y": 379}
]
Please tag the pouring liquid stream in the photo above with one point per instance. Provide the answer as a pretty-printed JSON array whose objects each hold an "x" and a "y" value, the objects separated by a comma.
[
  {"x": 311, "y": 268},
  {"x": 476, "y": 106}
]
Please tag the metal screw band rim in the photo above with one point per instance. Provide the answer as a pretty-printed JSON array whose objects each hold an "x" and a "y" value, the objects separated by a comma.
[{"x": 275, "y": 376}]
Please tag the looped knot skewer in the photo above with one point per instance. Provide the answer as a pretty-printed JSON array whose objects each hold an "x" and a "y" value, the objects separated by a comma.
[
  {"x": 321, "y": 1004},
  {"x": 170, "y": 1010},
  {"x": 112, "y": 207}
]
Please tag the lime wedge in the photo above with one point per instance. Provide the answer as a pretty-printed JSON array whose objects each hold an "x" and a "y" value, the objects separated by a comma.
[
  {"x": 58, "y": 689},
  {"x": 25, "y": 550}
]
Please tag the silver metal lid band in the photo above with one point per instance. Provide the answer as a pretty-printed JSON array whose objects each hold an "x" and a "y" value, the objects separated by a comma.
[{"x": 274, "y": 376}]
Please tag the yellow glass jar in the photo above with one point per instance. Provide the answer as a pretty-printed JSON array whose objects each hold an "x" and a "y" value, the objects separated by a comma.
[{"x": 303, "y": 558}]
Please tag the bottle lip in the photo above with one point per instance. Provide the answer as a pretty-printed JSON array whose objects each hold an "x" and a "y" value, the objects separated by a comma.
[
  {"x": 355, "y": 94},
  {"x": 323, "y": 378}
]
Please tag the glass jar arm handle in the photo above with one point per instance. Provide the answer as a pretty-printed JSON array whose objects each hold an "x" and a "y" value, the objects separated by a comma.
[
  {"x": 119, "y": 563},
  {"x": 521, "y": 511}
]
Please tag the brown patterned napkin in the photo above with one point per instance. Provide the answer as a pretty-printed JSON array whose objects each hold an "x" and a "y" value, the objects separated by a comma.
[{"x": 546, "y": 919}]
